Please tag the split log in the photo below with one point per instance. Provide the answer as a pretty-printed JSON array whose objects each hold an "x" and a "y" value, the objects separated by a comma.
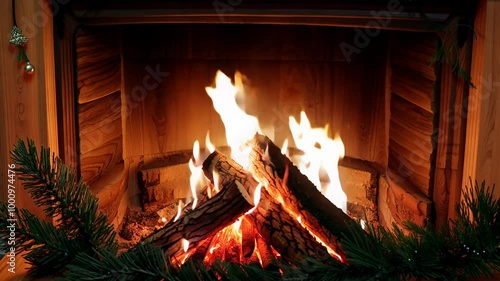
[
  {"x": 202, "y": 249},
  {"x": 272, "y": 222},
  {"x": 216, "y": 249},
  {"x": 228, "y": 170},
  {"x": 224, "y": 246},
  {"x": 266, "y": 253},
  {"x": 294, "y": 190},
  {"x": 203, "y": 197},
  {"x": 232, "y": 249},
  {"x": 284, "y": 232},
  {"x": 253, "y": 259},
  {"x": 247, "y": 237},
  {"x": 206, "y": 220}
]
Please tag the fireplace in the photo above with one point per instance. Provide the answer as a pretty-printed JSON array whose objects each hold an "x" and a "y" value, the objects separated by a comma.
[{"x": 138, "y": 101}]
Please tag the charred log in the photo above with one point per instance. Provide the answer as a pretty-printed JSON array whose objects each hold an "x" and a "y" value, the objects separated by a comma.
[
  {"x": 204, "y": 221},
  {"x": 294, "y": 190},
  {"x": 247, "y": 237},
  {"x": 284, "y": 232},
  {"x": 270, "y": 219}
]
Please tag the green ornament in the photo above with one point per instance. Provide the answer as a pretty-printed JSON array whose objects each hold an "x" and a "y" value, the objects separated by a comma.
[{"x": 16, "y": 37}]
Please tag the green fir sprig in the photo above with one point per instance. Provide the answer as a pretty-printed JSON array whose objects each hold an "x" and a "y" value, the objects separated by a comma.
[
  {"x": 46, "y": 247},
  {"x": 78, "y": 225},
  {"x": 82, "y": 244},
  {"x": 468, "y": 248},
  {"x": 148, "y": 263}
]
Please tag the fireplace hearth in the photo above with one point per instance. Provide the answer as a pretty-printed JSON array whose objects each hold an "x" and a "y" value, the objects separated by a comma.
[{"x": 140, "y": 100}]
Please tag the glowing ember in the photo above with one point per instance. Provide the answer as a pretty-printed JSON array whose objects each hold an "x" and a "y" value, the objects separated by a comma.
[
  {"x": 240, "y": 127},
  {"x": 320, "y": 152},
  {"x": 213, "y": 248},
  {"x": 224, "y": 242}
]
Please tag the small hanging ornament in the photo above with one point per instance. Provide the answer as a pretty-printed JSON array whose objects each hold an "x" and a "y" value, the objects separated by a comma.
[
  {"x": 29, "y": 68},
  {"x": 19, "y": 40},
  {"x": 16, "y": 37}
]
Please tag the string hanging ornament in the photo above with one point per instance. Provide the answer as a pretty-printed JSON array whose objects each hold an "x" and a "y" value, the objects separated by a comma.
[{"x": 19, "y": 40}]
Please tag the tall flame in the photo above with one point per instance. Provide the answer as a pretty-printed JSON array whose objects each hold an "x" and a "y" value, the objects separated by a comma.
[
  {"x": 320, "y": 152},
  {"x": 320, "y": 155},
  {"x": 240, "y": 127},
  {"x": 197, "y": 180},
  {"x": 208, "y": 144}
]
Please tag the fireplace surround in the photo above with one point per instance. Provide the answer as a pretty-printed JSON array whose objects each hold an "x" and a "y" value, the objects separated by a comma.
[{"x": 138, "y": 70}]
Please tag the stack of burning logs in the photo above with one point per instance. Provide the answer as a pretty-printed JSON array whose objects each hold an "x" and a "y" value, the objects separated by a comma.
[{"x": 292, "y": 219}]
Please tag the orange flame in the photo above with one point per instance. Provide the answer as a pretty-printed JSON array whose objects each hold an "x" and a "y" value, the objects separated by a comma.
[
  {"x": 180, "y": 206},
  {"x": 208, "y": 144},
  {"x": 240, "y": 127},
  {"x": 320, "y": 151},
  {"x": 197, "y": 180}
]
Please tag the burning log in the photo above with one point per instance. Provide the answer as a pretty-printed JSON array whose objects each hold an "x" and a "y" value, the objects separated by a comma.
[
  {"x": 232, "y": 250},
  {"x": 203, "y": 248},
  {"x": 247, "y": 237},
  {"x": 219, "y": 168},
  {"x": 272, "y": 222},
  {"x": 204, "y": 221},
  {"x": 225, "y": 245},
  {"x": 265, "y": 251},
  {"x": 253, "y": 259},
  {"x": 285, "y": 233},
  {"x": 203, "y": 197},
  {"x": 294, "y": 190}
]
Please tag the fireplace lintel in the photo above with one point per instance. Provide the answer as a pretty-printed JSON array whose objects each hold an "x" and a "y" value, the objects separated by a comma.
[{"x": 400, "y": 15}]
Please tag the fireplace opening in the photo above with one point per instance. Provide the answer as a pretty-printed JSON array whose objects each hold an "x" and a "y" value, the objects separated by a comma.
[{"x": 142, "y": 103}]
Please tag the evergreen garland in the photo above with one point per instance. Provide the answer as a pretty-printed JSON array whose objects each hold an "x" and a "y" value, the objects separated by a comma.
[
  {"x": 78, "y": 225},
  {"x": 469, "y": 248},
  {"x": 82, "y": 245}
]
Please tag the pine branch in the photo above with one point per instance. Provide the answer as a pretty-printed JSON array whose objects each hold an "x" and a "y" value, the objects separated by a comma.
[
  {"x": 143, "y": 263},
  {"x": 477, "y": 231},
  {"x": 45, "y": 244},
  {"x": 469, "y": 248},
  {"x": 146, "y": 262},
  {"x": 423, "y": 254},
  {"x": 55, "y": 187}
]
